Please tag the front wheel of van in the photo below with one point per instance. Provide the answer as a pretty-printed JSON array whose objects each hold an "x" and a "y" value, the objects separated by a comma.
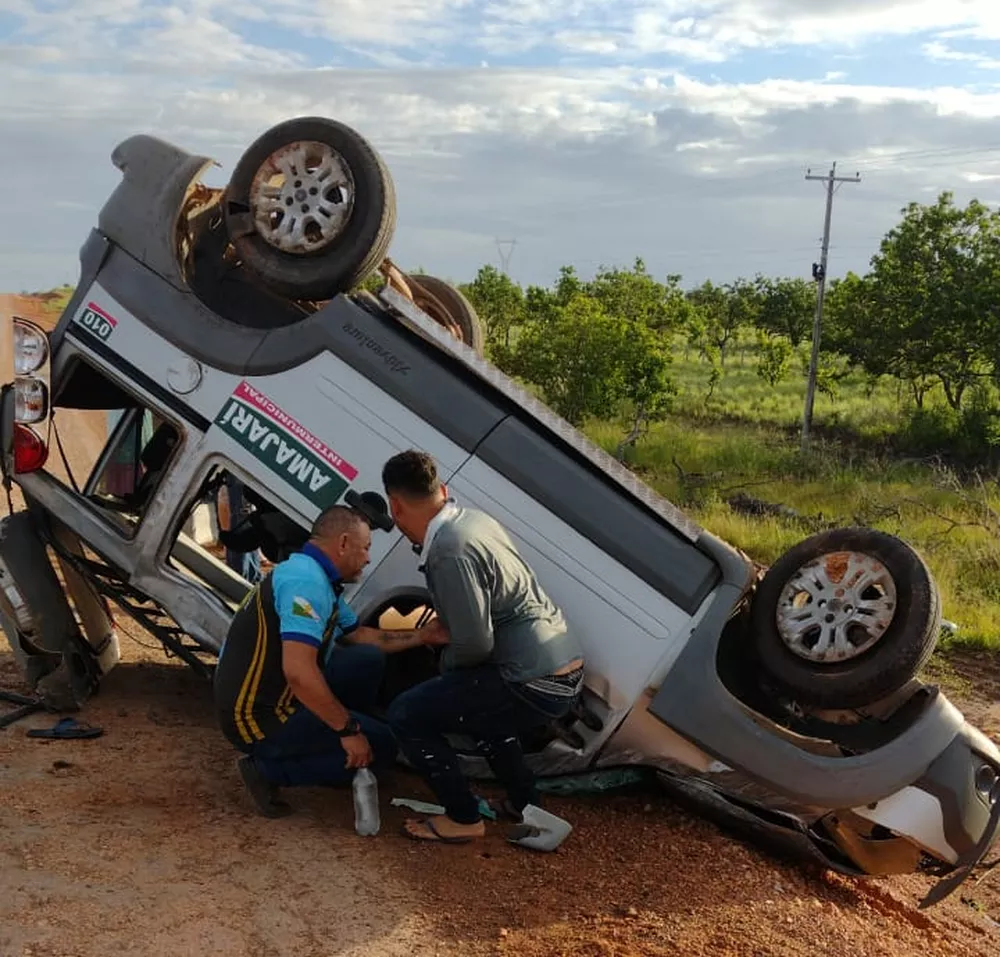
[
  {"x": 845, "y": 618},
  {"x": 310, "y": 209}
]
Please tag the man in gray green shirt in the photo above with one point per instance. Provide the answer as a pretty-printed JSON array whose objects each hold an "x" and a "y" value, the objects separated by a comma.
[{"x": 511, "y": 664}]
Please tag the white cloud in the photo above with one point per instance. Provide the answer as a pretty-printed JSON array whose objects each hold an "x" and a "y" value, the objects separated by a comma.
[
  {"x": 938, "y": 51},
  {"x": 594, "y": 162}
]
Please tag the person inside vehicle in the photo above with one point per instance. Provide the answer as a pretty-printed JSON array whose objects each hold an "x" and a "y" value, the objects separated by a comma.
[
  {"x": 231, "y": 508},
  {"x": 297, "y": 673},
  {"x": 511, "y": 664}
]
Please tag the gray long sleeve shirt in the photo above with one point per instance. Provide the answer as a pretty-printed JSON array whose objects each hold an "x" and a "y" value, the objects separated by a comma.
[{"x": 491, "y": 603}]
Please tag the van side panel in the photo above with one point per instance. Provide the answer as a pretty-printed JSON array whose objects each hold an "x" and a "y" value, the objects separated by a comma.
[
  {"x": 627, "y": 626},
  {"x": 660, "y": 557}
]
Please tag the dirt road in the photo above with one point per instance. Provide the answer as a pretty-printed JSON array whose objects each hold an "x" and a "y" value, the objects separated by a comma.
[{"x": 141, "y": 842}]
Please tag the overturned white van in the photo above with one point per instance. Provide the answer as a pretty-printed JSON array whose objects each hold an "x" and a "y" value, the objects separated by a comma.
[{"x": 223, "y": 333}]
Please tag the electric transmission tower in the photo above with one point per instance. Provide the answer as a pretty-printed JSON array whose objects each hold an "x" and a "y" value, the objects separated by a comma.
[
  {"x": 505, "y": 255},
  {"x": 832, "y": 181}
]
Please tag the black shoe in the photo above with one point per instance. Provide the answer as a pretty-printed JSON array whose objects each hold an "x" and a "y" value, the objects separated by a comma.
[{"x": 264, "y": 793}]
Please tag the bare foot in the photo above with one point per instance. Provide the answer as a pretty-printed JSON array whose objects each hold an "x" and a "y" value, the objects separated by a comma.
[{"x": 443, "y": 829}]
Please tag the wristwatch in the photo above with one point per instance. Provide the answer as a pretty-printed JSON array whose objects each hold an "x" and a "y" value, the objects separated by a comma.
[{"x": 350, "y": 729}]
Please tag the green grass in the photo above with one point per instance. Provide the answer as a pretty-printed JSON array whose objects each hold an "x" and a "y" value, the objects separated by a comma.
[
  {"x": 950, "y": 525},
  {"x": 871, "y": 412}
]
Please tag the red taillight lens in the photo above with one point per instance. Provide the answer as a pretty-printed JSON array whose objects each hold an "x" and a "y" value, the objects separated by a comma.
[{"x": 30, "y": 452}]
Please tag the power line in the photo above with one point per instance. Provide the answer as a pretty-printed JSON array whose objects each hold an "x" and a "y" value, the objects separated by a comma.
[{"x": 831, "y": 180}]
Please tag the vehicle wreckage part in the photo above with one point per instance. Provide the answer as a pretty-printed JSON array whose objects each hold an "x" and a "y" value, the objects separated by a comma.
[
  {"x": 310, "y": 208},
  {"x": 50, "y": 652},
  {"x": 845, "y": 618},
  {"x": 694, "y": 702},
  {"x": 91, "y": 607},
  {"x": 874, "y": 855},
  {"x": 25, "y": 707},
  {"x": 442, "y": 302}
]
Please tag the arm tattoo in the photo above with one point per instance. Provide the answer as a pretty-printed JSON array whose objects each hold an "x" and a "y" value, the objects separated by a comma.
[{"x": 397, "y": 635}]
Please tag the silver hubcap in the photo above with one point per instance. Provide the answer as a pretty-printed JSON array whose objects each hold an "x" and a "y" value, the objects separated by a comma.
[
  {"x": 836, "y": 607},
  {"x": 302, "y": 196}
]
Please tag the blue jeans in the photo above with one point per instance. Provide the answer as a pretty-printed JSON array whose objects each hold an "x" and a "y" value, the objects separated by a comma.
[
  {"x": 479, "y": 703},
  {"x": 245, "y": 564},
  {"x": 306, "y": 751}
]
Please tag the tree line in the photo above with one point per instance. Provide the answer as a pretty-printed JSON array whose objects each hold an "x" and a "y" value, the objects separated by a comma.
[{"x": 926, "y": 314}]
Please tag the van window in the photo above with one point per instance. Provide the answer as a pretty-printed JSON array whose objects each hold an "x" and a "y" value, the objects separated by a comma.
[
  {"x": 126, "y": 447},
  {"x": 226, "y": 550}
]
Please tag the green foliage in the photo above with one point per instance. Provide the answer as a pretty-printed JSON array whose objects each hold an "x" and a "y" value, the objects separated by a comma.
[
  {"x": 500, "y": 304},
  {"x": 774, "y": 357},
  {"x": 635, "y": 295},
  {"x": 588, "y": 362},
  {"x": 786, "y": 307},
  {"x": 372, "y": 283},
  {"x": 718, "y": 315},
  {"x": 929, "y": 310}
]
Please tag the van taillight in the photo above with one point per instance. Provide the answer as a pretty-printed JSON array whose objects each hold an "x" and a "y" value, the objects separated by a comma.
[
  {"x": 31, "y": 348},
  {"x": 32, "y": 384},
  {"x": 30, "y": 452},
  {"x": 31, "y": 400}
]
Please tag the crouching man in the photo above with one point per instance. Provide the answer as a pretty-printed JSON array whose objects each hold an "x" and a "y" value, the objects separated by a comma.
[
  {"x": 511, "y": 665},
  {"x": 297, "y": 674}
]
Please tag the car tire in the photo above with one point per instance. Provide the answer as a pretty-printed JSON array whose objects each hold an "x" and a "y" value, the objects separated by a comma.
[
  {"x": 845, "y": 642},
  {"x": 327, "y": 222},
  {"x": 433, "y": 295}
]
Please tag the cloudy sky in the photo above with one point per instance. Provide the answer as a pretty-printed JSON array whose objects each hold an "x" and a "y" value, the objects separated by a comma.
[{"x": 590, "y": 131}]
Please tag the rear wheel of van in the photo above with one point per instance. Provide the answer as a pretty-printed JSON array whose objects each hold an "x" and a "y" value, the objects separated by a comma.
[
  {"x": 310, "y": 209},
  {"x": 446, "y": 304},
  {"x": 845, "y": 618}
]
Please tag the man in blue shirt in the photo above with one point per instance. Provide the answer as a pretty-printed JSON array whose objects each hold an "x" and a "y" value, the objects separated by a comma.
[{"x": 297, "y": 672}]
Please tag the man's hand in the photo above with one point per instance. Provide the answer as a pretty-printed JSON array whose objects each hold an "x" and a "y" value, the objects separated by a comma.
[
  {"x": 434, "y": 634},
  {"x": 359, "y": 751}
]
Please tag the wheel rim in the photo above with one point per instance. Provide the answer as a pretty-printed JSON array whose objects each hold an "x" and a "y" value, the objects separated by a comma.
[
  {"x": 836, "y": 607},
  {"x": 302, "y": 197}
]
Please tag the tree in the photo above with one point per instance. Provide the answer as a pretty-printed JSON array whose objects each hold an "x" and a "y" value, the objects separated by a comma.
[
  {"x": 719, "y": 313},
  {"x": 500, "y": 303},
  {"x": 774, "y": 356},
  {"x": 589, "y": 363},
  {"x": 635, "y": 295},
  {"x": 929, "y": 308},
  {"x": 786, "y": 307}
]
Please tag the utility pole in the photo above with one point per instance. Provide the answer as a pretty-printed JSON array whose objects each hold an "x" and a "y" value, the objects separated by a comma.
[
  {"x": 505, "y": 257},
  {"x": 819, "y": 274}
]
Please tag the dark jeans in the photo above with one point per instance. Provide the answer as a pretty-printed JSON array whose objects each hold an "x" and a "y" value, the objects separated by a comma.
[
  {"x": 246, "y": 564},
  {"x": 306, "y": 751},
  {"x": 476, "y": 702}
]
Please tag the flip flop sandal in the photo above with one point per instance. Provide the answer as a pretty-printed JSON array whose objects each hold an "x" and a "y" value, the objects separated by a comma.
[
  {"x": 67, "y": 728},
  {"x": 438, "y": 838}
]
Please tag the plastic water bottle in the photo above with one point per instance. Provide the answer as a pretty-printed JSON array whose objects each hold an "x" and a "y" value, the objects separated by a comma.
[{"x": 366, "y": 815}]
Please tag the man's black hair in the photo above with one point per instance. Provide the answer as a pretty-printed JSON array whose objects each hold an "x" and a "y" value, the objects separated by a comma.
[
  {"x": 334, "y": 521},
  {"x": 411, "y": 474}
]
